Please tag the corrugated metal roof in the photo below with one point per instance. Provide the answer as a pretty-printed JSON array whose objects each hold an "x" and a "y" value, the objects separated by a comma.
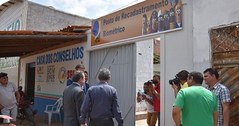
[
  {"x": 23, "y": 42},
  {"x": 19, "y": 43}
]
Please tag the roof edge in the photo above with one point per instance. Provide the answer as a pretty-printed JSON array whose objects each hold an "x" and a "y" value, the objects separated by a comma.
[{"x": 8, "y": 3}]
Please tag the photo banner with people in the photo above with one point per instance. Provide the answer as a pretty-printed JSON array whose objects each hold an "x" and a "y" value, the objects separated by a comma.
[{"x": 147, "y": 17}]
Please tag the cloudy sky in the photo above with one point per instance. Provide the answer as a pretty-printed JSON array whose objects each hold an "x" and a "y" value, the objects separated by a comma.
[{"x": 86, "y": 8}]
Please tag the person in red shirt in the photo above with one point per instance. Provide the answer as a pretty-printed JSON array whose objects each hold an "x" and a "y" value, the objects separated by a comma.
[{"x": 156, "y": 98}]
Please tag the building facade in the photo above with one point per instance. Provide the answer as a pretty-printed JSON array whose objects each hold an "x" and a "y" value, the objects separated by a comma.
[
  {"x": 27, "y": 15},
  {"x": 126, "y": 48}
]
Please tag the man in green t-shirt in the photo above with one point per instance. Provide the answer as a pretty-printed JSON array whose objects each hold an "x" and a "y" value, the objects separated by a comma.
[{"x": 197, "y": 104}]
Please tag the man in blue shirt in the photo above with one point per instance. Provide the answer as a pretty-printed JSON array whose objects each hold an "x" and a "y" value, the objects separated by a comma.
[{"x": 101, "y": 103}]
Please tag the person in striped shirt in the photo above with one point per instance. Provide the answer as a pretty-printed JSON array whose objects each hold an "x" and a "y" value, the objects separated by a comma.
[{"x": 211, "y": 78}]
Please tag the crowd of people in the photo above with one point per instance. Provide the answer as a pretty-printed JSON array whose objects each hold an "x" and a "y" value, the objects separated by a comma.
[
  {"x": 80, "y": 101},
  {"x": 95, "y": 106},
  {"x": 194, "y": 105},
  {"x": 98, "y": 104}
]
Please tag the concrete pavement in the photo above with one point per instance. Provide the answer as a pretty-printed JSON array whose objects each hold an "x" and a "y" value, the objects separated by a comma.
[
  {"x": 40, "y": 122},
  {"x": 140, "y": 120}
]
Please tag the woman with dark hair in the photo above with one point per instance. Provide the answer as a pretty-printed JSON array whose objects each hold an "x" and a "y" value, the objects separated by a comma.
[{"x": 147, "y": 96}]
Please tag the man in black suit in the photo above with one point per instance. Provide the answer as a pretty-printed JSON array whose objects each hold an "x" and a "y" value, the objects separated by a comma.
[{"x": 73, "y": 97}]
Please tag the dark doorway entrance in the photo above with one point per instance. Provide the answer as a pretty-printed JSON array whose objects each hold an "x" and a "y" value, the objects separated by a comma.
[{"x": 30, "y": 81}]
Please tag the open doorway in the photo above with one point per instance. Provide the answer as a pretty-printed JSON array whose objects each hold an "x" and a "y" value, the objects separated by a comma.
[
  {"x": 148, "y": 63},
  {"x": 30, "y": 81},
  {"x": 225, "y": 58}
]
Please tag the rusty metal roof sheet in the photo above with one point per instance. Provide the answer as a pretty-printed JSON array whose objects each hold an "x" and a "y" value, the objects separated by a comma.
[{"x": 19, "y": 43}]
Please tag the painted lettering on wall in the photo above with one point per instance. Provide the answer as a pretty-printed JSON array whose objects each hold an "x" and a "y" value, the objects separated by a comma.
[
  {"x": 61, "y": 56},
  {"x": 14, "y": 26},
  {"x": 50, "y": 74}
]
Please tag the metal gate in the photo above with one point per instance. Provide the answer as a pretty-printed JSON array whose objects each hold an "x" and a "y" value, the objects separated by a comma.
[
  {"x": 225, "y": 53},
  {"x": 121, "y": 62}
]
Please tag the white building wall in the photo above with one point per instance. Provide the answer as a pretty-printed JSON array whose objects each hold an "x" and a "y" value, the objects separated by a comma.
[
  {"x": 45, "y": 18},
  {"x": 175, "y": 55},
  {"x": 10, "y": 16},
  {"x": 33, "y": 16},
  {"x": 13, "y": 18},
  {"x": 208, "y": 14},
  {"x": 54, "y": 87},
  {"x": 144, "y": 66}
]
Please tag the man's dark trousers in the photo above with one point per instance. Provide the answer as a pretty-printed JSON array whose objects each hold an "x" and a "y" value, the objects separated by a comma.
[{"x": 101, "y": 122}]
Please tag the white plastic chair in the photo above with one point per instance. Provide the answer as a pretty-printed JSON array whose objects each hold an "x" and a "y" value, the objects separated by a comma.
[{"x": 54, "y": 109}]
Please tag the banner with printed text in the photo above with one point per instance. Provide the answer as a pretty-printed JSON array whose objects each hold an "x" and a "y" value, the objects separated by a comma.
[
  {"x": 56, "y": 66},
  {"x": 148, "y": 17}
]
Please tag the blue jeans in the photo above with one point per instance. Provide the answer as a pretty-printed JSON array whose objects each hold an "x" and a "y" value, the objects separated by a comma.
[{"x": 158, "y": 118}]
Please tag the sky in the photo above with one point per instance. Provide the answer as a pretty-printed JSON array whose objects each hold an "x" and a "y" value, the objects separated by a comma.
[{"x": 87, "y": 8}]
